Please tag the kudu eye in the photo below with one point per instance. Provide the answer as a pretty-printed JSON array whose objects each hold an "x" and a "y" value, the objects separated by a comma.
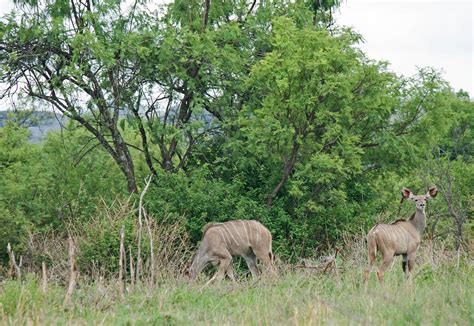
[{"x": 416, "y": 199}]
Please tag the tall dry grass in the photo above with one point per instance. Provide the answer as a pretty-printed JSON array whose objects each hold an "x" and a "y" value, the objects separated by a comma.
[
  {"x": 441, "y": 293},
  {"x": 324, "y": 289},
  {"x": 171, "y": 248}
]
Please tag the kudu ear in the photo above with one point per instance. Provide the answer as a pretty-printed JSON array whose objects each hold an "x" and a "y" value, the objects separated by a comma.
[
  {"x": 406, "y": 193},
  {"x": 432, "y": 192}
]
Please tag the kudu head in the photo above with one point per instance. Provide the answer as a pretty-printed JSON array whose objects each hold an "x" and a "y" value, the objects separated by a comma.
[
  {"x": 420, "y": 200},
  {"x": 192, "y": 271},
  {"x": 188, "y": 273}
]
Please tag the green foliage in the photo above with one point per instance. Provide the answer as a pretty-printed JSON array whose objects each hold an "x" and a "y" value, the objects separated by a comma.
[
  {"x": 99, "y": 239},
  {"x": 16, "y": 298},
  {"x": 47, "y": 186},
  {"x": 189, "y": 196},
  {"x": 80, "y": 172},
  {"x": 18, "y": 184},
  {"x": 332, "y": 120},
  {"x": 13, "y": 229},
  {"x": 238, "y": 111}
]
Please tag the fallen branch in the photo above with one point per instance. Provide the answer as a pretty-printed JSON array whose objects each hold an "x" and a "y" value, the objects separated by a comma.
[{"x": 328, "y": 262}]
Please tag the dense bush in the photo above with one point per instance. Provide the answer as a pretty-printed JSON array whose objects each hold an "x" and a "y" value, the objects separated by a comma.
[{"x": 270, "y": 117}]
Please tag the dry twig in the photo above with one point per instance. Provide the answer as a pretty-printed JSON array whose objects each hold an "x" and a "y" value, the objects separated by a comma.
[
  {"x": 140, "y": 226},
  {"x": 73, "y": 271},
  {"x": 15, "y": 269}
]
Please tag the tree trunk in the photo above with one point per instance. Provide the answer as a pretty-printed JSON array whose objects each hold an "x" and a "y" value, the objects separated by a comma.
[
  {"x": 124, "y": 160},
  {"x": 289, "y": 165}
]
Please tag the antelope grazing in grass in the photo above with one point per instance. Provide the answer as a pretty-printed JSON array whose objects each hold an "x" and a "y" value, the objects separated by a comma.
[
  {"x": 401, "y": 237},
  {"x": 246, "y": 238}
]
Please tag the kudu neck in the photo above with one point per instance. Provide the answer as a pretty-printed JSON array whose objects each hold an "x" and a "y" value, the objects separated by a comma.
[
  {"x": 418, "y": 220},
  {"x": 200, "y": 262}
]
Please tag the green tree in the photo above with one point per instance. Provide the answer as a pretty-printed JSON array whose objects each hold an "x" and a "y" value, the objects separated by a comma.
[
  {"x": 17, "y": 181},
  {"x": 176, "y": 77},
  {"x": 314, "y": 98},
  {"x": 82, "y": 58},
  {"x": 194, "y": 85},
  {"x": 324, "y": 122},
  {"x": 48, "y": 186}
]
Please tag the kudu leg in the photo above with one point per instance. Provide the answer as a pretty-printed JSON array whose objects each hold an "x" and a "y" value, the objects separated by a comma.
[
  {"x": 230, "y": 272},
  {"x": 411, "y": 264},
  {"x": 223, "y": 267},
  {"x": 405, "y": 266},
  {"x": 387, "y": 260},
  {"x": 252, "y": 264},
  {"x": 369, "y": 268},
  {"x": 224, "y": 264}
]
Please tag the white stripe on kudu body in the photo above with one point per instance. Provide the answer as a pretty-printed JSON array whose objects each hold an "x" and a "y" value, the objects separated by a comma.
[
  {"x": 238, "y": 231},
  {"x": 244, "y": 225},
  {"x": 401, "y": 237},
  {"x": 229, "y": 233},
  {"x": 251, "y": 233},
  {"x": 222, "y": 234},
  {"x": 224, "y": 238},
  {"x": 258, "y": 236},
  {"x": 247, "y": 238}
]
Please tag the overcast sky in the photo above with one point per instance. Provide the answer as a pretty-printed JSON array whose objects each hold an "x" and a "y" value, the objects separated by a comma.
[
  {"x": 409, "y": 34},
  {"x": 417, "y": 33}
]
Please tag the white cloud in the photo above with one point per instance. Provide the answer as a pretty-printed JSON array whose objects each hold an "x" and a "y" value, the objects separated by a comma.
[
  {"x": 412, "y": 34},
  {"x": 5, "y": 6}
]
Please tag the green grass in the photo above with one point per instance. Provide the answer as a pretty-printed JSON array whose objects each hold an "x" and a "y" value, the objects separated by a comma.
[{"x": 437, "y": 296}]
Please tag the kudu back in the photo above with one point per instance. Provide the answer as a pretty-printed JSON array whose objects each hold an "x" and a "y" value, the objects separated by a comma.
[
  {"x": 401, "y": 237},
  {"x": 246, "y": 238}
]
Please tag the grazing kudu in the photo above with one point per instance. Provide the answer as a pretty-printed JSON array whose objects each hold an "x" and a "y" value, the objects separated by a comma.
[
  {"x": 401, "y": 237},
  {"x": 246, "y": 238}
]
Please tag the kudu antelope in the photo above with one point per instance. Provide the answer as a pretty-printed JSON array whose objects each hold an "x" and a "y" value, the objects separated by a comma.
[
  {"x": 246, "y": 238},
  {"x": 401, "y": 237}
]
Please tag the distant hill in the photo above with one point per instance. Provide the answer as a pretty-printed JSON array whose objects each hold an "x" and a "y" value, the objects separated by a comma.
[{"x": 38, "y": 122}]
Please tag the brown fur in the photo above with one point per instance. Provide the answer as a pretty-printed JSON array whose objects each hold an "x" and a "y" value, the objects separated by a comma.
[
  {"x": 399, "y": 220},
  {"x": 401, "y": 237},
  {"x": 208, "y": 226},
  {"x": 246, "y": 238}
]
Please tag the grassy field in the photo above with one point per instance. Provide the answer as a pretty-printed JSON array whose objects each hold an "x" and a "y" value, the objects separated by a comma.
[{"x": 440, "y": 294}]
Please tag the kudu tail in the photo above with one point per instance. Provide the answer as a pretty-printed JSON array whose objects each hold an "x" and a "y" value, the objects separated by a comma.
[{"x": 372, "y": 250}]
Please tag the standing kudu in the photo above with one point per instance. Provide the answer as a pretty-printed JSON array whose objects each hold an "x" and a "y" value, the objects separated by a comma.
[
  {"x": 246, "y": 238},
  {"x": 401, "y": 237}
]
